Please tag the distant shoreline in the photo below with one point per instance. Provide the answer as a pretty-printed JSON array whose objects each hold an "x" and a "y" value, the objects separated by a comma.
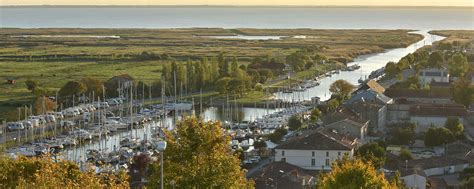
[{"x": 232, "y": 6}]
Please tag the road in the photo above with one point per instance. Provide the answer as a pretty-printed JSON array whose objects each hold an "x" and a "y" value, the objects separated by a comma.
[{"x": 259, "y": 166}]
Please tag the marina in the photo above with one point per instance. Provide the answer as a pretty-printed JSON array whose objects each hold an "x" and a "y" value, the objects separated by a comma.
[{"x": 94, "y": 133}]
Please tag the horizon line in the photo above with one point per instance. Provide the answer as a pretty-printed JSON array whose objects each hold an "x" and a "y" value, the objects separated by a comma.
[{"x": 269, "y": 6}]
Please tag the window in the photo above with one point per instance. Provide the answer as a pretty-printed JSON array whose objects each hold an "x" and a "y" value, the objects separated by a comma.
[
  {"x": 339, "y": 154},
  {"x": 313, "y": 154},
  {"x": 283, "y": 159},
  {"x": 282, "y": 153},
  {"x": 313, "y": 162},
  {"x": 328, "y": 162},
  {"x": 327, "y": 154}
]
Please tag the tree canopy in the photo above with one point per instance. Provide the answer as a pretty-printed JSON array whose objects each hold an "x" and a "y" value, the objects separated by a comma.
[
  {"x": 458, "y": 65},
  {"x": 455, "y": 126},
  {"x": 44, "y": 104},
  {"x": 341, "y": 88},
  {"x": 353, "y": 174},
  {"x": 198, "y": 156},
  {"x": 43, "y": 172},
  {"x": 372, "y": 152},
  {"x": 435, "y": 59},
  {"x": 315, "y": 114},
  {"x": 462, "y": 91},
  {"x": 294, "y": 123},
  {"x": 438, "y": 136}
]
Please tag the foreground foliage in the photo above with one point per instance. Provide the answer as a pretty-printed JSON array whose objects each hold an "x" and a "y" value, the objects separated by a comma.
[
  {"x": 198, "y": 156},
  {"x": 43, "y": 172},
  {"x": 354, "y": 174}
]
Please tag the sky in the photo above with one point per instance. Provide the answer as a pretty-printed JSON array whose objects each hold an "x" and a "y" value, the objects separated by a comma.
[{"x": 246, "y": 2}]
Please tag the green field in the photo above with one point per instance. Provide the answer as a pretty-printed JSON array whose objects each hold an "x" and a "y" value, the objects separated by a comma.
[{"x": 53, "y": 61}]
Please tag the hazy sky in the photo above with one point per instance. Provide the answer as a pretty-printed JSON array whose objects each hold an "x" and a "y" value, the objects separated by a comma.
[{"x": 244, "y": 2}]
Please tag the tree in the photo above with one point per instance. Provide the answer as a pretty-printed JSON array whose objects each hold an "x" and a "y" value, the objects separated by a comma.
[
  {"x": 93, "y": 86},
  {"x": 403, "y": 134},
  {"x": 315, "y": 114},
  {"x": 223, "y": 85},
  {"x": 138, "y": 168},
  {"x": 265, "y": 75},
  {"x": 341, "y": 88},
  {"x": 391, "y": 69},
  {"x": 277, "y": 135},
  {"x": 260, "y": 145},
  {"x": 31, "y": 85},
  {"x": 397, "y": 182},
  {"x": 43, "y": 172},
  {"x": 462, "y": 92},
  {"x": 298, "y": 60},
  {"x": 294, "y": 123},
  {"x": 405, "y": 155},
  {"x": 438, "y": 136},
  {"x": 72, "y": 88},
  {"x": 435, "y": 59},
  {"x": 372, "y": 152},
  {"x": 353, "y": 174},
  {"x": 458, "y": 65},
  {"x": 112, "y": 85},
  {"x": 198, "y": 156},
  {"x": 455, "y": 126},
  {"x": 44, "y": 104}
]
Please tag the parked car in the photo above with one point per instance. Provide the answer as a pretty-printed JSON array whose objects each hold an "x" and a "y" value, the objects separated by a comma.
[
  {"x": 113, "y": 102},
  {"x": 67, "y": 124},
  {"x": 59, "y": 115},
  {"x": 34, "y": 122},
  {"x": 15, "y": 126},
  {"x": 40, "y": 119},
  {"x": 50, "y": 118},
  {"x": 69, "y": 113},
  {"x": 27, "y": 124}
]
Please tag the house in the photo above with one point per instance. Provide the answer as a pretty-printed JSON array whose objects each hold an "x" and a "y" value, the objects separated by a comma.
[
  {"x": 350, "y": 127},
  {"x": 413, "y": 178},
  {"x": 369, "y": 95},
  {"x": 376, "y": 113},
  {"x": 434, "y": 74},
  {"x": 315, "y": 150},
  {"x": 283, "y": 175},
  {"x": 436, "y": 165},
  {"x": 370, "y": 103},
  {"x": 432, "y": 96},
  {"x": 372, "y": 85},
  {"x": 427, "y": 115}
]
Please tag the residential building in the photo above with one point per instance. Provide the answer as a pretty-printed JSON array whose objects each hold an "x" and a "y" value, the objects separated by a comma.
[
  {"x": 283, "y": 175},
  {"x": 434, "y": 74},
  {"x": 350, "y": 127},
  {"x": 432, "y": 96},
  {"x": 437, "y": 165},
  {"x": 413, "y": 178},
  {"x": 372, "y": 85},
  {"x": 376, "y": 113},
  {"x": 315, "y": 150},
  {"x": 427, "y": 115}
]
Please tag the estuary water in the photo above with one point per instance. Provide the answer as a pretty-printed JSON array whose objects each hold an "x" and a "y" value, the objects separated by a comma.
[{"x": 238, "y": 17}]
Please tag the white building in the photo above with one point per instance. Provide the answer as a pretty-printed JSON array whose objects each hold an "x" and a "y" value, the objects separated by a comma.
[
  {"x": 414, "y": 179},
  {"x": 427, "y": 115},
  {"x": 316, "y": 150},
  {"x": 434, "y": 74}
]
